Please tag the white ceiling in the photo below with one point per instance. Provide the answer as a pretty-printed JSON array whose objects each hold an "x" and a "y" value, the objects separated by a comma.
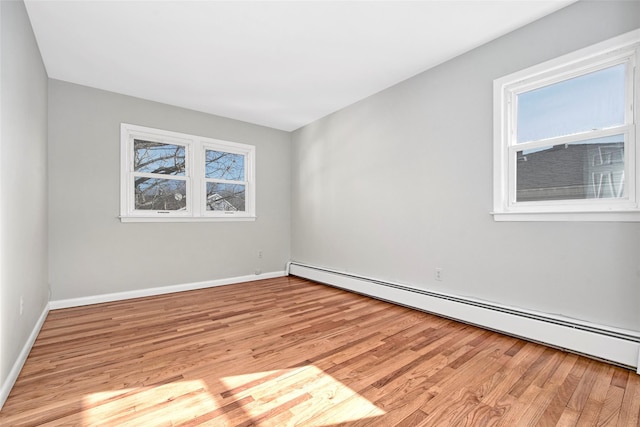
[{"x": 278, "y": 64}]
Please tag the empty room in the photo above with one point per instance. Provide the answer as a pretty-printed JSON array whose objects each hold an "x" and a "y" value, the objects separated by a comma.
[{"x": 319, "y": 213}]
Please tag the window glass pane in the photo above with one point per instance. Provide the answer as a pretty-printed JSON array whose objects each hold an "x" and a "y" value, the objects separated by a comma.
[
  {"x": 225, "y": 197},
  {"x": 591, "y": 101},
  {"x": 160, "y": 194},
  {"x": 221, "y": 165},
  {"x": 591, "y": 169},
  {"x": 156, "y": 157}
]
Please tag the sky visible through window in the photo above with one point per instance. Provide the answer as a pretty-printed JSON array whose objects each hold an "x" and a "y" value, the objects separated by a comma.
[
  {"x": 587, "y": 102},
  {"x": 157, "y": 157}
]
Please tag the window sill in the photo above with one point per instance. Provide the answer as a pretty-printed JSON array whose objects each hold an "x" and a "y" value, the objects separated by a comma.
[
  {"x": 597, "y": 216},
  {"x": 186, "y": 219}
]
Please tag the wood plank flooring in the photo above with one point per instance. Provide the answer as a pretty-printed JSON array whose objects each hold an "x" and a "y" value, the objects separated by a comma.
[{"x": 288, "y": 351}]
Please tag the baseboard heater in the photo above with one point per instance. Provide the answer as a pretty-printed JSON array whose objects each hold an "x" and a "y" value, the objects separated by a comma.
[{"x": 618, "y": 346}]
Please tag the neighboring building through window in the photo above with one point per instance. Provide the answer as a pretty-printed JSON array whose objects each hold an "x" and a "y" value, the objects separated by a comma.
[
  {"x": 170, "y": 176},
  {"x": 565, "y": 143}
]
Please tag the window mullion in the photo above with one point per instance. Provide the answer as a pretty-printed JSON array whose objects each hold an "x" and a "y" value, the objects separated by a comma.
[
  {"x": 569, "y": 139},
  {"x": 224, "y": 181},
  {"x": 159, "y": 176},
  {"x": 193, "y": 163}
]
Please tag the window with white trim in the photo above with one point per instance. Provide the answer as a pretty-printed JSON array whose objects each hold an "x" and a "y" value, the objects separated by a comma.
[
  {"x": 171, "y": 176},
  {"x": 565, "y": 144}
]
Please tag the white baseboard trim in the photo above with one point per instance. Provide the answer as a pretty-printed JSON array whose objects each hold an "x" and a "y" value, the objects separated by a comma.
[
  {"x": 8, "y": 383},
  {"x": 118, "y": 296},
  {"x": 618, "y": 346}
]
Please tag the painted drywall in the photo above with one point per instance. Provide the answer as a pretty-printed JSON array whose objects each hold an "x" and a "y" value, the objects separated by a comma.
[
  {"x": 23, "y": 184},
  {"x": 93, "y": 253},
  {"x": 400, "y": 184}
]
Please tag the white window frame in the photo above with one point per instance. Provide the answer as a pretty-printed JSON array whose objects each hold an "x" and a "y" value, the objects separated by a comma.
[
  {"x": 621, "y": 49},
  {"x": 194, "y": 177}
]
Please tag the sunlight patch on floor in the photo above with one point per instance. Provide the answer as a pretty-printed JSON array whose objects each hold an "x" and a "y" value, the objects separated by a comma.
[
  {"x": 95, "y": 398},
  {"x": 243, "y": 379},
  {"x": 174, "y": 402},
  {"x": 304, "y": 395},
  {"x": 320, "y": 399}
]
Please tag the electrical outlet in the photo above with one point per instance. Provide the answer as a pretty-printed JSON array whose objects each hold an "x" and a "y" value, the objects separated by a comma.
[
  {"x": 21, "y": 305},
  {"x": 438, "y": 274},
  {"x": 259, "y": 254}
]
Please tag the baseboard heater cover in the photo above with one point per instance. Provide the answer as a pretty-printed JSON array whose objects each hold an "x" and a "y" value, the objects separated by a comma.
[{"x": 617, "y": 346}]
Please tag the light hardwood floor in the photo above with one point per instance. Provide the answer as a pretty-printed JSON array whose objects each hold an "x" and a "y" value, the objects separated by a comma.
[{"x": 291, "y": 352}]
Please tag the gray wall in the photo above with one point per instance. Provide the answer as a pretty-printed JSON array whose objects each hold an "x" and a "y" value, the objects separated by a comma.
[
  {"x": 93, "y": 253},
  {"x": 23, "y": 186},
  {"x": 400, "y": 183}
]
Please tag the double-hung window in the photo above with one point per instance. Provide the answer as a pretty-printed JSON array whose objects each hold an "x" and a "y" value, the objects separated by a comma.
[
  {"x": 565, "y": 144},
  {"x": 171, "y": 176}
]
